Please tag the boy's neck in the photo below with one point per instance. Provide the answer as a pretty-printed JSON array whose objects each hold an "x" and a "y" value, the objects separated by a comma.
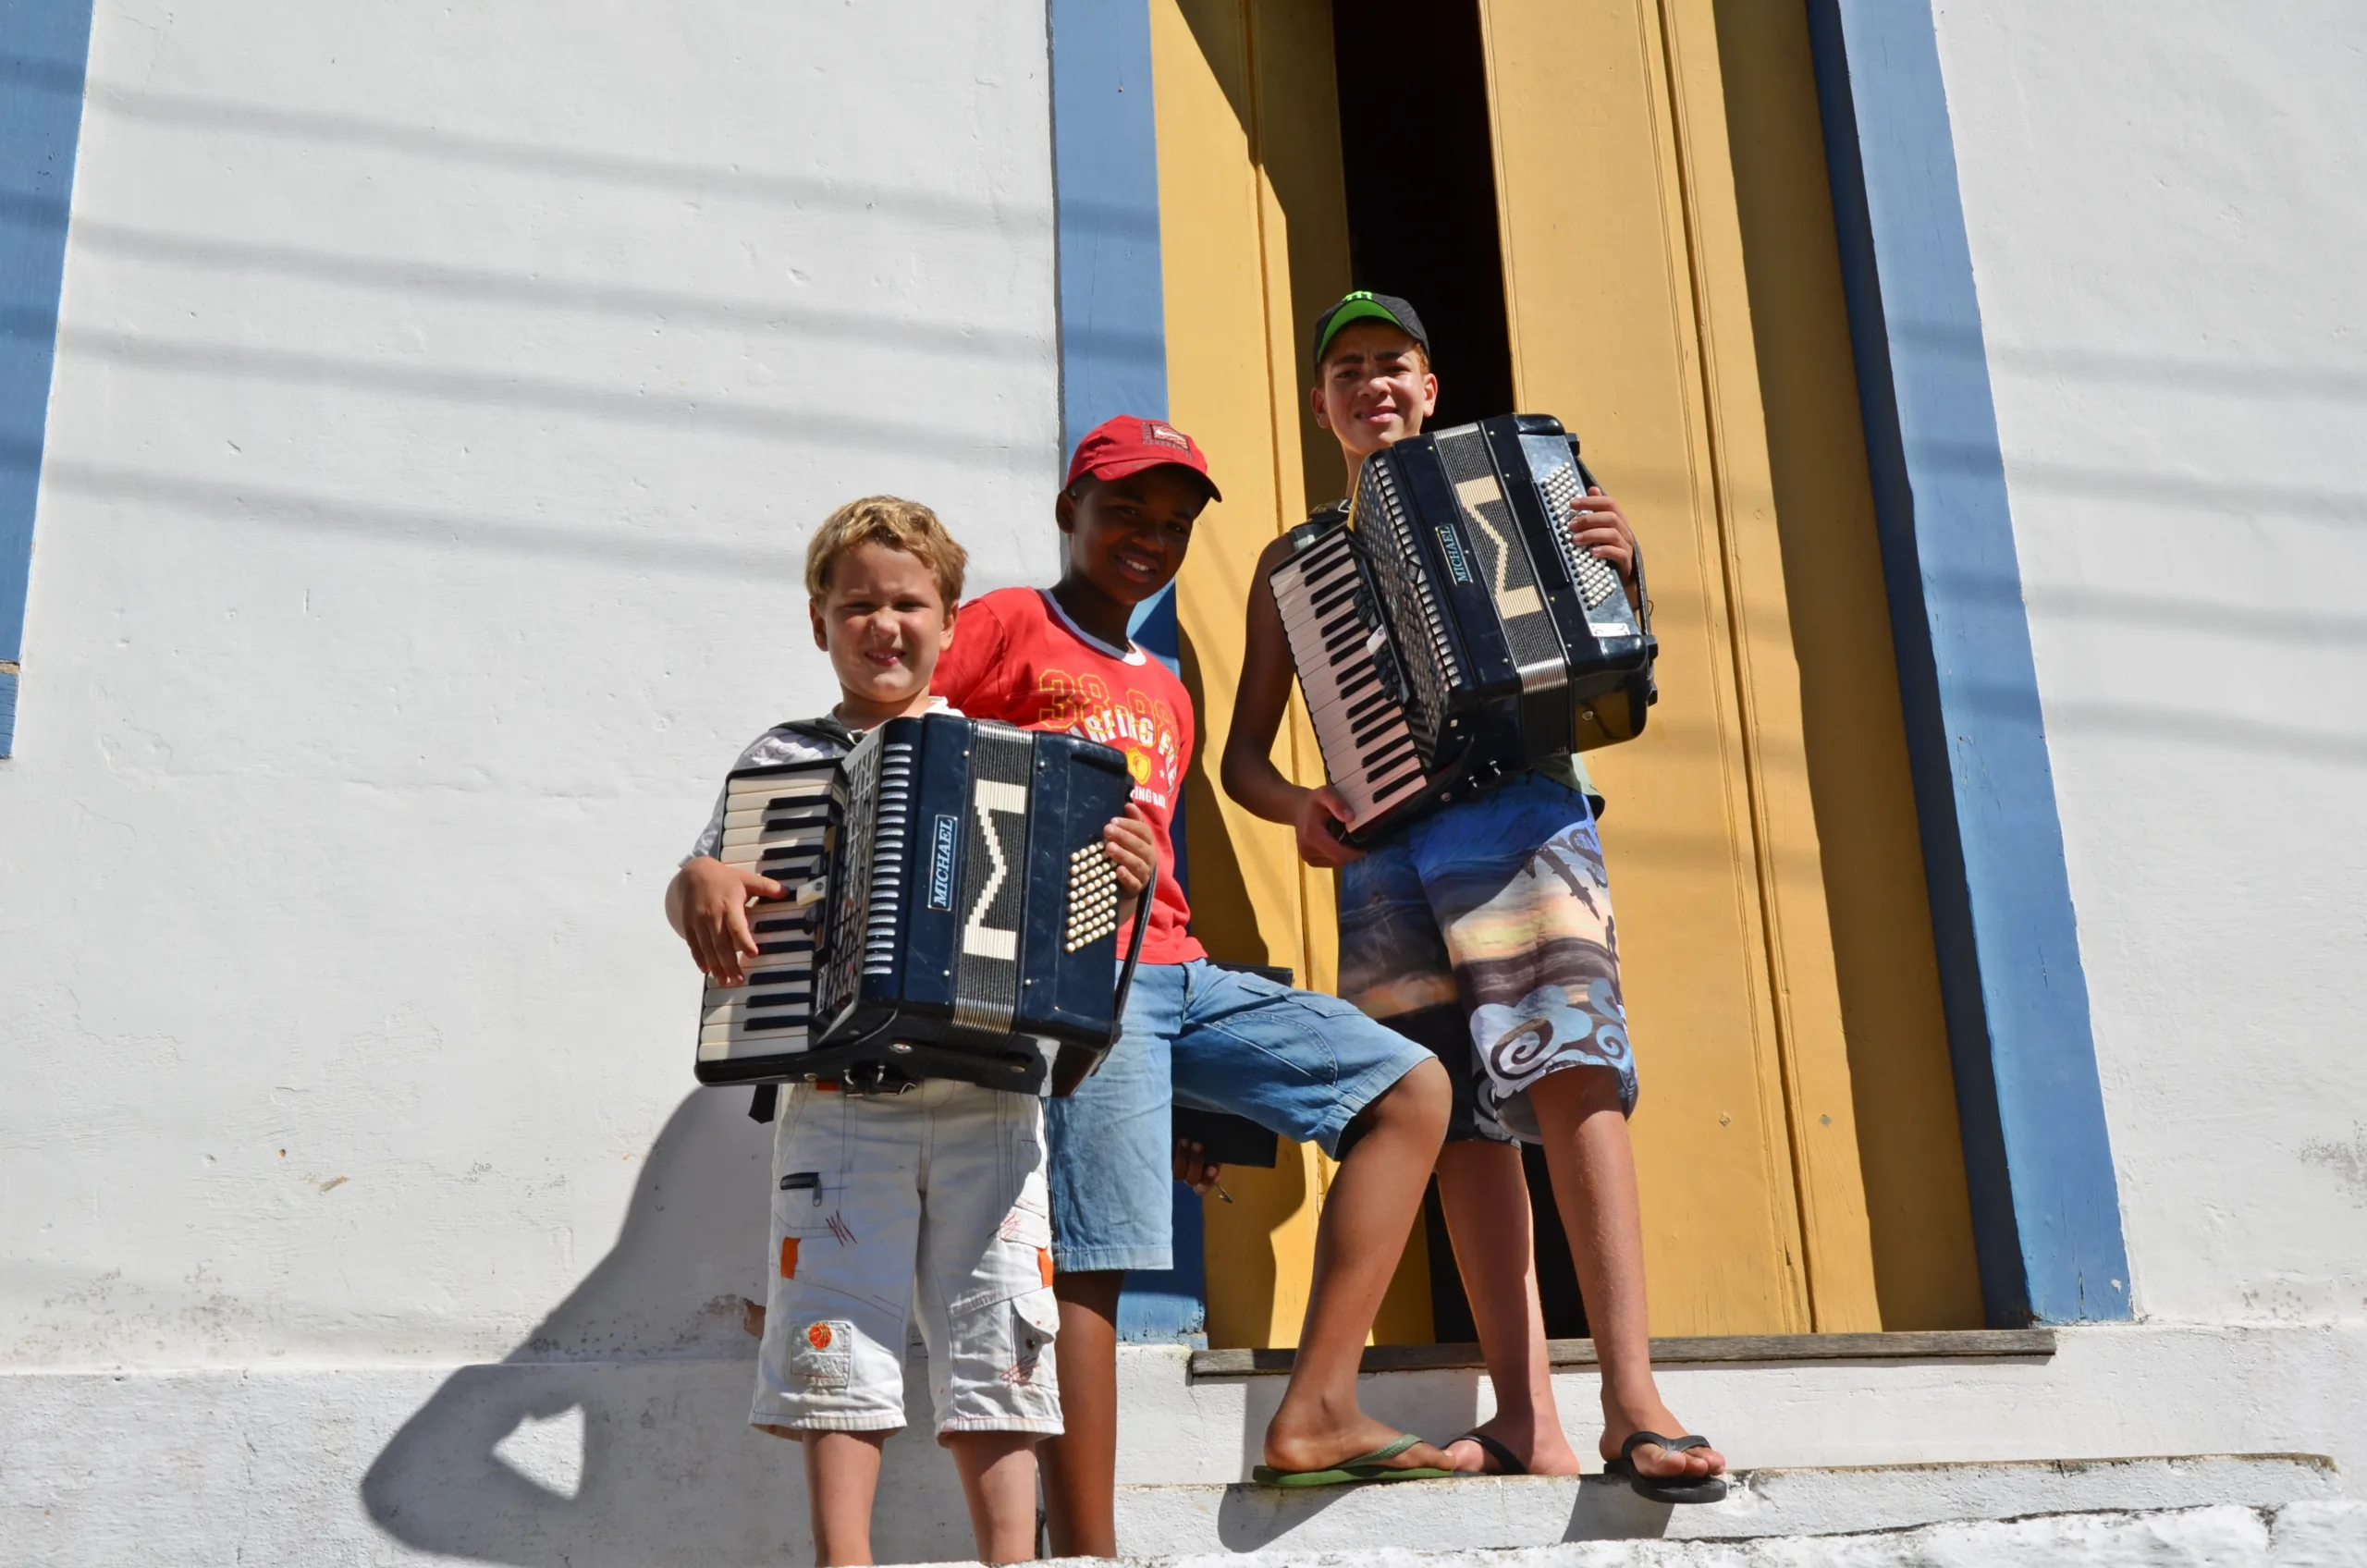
[
  {"x": 1355, "y": 468},
  {"x": 1095, "y": 612},
  {"x": 861, "y": 714}
]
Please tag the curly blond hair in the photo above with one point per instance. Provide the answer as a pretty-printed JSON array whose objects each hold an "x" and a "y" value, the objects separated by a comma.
[{"x": 897, "y": 523}]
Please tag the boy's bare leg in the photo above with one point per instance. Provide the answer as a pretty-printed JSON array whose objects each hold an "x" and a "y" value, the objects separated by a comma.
[
  {"x": 1081, "y": 1466},
  {"x": 842, "y": 1474},
  {"x": 998, "y": 1472},
  {"x": 1366, "y": 1216},
  {"x": 1593, "y": 1167},
  {"x": 1485, "y": 1194}
]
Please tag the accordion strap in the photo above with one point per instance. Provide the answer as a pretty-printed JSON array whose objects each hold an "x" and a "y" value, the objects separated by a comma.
[{"x": 1133, "y": 956}]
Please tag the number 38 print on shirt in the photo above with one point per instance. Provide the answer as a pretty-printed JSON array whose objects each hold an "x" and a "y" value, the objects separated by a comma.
[{"x": 1014, "y": 656}]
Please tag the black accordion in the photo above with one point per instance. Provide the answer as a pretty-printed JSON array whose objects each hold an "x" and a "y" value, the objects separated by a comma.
[
  {"x": 950, "y": 912},
  {"x": 1452, "y": 632}
]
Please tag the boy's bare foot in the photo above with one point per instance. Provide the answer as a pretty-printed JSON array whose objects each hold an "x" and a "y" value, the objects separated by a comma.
[
  {"x": 1651, "y": 1459},
  {"x": 1543, "y": 1447},
  {"x": 1356, "y": 1434}
]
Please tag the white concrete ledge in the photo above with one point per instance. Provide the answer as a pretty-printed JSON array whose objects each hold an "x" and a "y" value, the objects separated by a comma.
[
  {"x": 2299, "y": 1535},
  {"x": 1514, "y": 1512},
  {"x": 631, "y": 1463}
]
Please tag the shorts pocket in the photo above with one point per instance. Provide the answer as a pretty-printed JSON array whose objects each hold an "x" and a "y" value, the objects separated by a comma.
[
  {"x": 811, "y": 1203},
  {"x": 1035, "y": 1324},
  {"x": 1028, "y": 1224},
  {"x": 821, "y": 1353}
]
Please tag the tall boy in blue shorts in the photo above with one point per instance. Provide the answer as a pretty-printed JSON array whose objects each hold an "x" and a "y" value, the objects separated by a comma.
[
  {"x": 1308, "y": 1067},
  {"x": 1484, "y": 931}
]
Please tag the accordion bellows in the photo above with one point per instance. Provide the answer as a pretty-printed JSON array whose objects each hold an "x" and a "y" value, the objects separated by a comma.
[
  {"x": 949, "y": 914},
  {"x": 1452, "y": 632}
]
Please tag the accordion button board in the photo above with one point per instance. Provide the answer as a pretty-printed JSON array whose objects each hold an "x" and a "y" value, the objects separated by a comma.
[
  {"x": 1452, "y": 631},
  {"x": 951, "y": 911}
]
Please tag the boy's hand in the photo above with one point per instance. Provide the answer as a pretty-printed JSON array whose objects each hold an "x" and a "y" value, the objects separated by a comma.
[
  {"x": 1192, "y": 1168},
  {"x": 1134, "y": 854},
  {"x": 1318, "y": 809},
  {"x": 715, "y": 900},
  {"x": 1601, "y": 529}
]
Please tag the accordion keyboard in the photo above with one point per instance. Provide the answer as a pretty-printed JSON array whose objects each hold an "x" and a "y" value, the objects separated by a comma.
[
  {"x": 1369, "y": 751},
  {"x": 776, "y": 824}
]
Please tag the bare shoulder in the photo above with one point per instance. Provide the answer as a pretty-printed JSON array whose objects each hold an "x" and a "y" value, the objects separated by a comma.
[{"x": 1276, "y": 552}]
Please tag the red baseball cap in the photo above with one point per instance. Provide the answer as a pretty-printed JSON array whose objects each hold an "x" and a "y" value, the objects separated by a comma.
[{"x": 1131, "y": 444}]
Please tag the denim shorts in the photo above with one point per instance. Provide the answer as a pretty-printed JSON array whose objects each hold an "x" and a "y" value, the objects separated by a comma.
[
  {"x": 1484, "y": 932},
  {"x": 1295, "y": 1062}
]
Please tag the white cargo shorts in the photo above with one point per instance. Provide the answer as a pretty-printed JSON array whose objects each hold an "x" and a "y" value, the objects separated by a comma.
[{"x": 932, "y": 1200}]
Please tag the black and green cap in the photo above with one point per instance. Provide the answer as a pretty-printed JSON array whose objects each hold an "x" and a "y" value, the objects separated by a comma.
[{"x": 1366, "y": 305}]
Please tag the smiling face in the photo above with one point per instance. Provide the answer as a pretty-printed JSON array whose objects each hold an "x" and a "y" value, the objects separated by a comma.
[
  {"x": 1127, "y": 536},
  {"x": 883, "y": 623},
  {"x": 1374, "y": 388}
]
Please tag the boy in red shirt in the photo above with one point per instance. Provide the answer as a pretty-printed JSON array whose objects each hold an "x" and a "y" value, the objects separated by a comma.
[{"x": 1308, "y": 1067}]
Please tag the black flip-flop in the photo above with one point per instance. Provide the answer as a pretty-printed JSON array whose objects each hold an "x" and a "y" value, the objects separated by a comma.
[
  {"x": 1508, "y": 1463},
  {"x": 1708, "y": 1488}
]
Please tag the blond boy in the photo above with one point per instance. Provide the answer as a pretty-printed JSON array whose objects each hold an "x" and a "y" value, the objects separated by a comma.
[{"x": 931, "y": 1199}]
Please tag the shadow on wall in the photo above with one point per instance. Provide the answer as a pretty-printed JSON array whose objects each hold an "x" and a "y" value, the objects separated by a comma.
[{"x": 618, "y": 1431}]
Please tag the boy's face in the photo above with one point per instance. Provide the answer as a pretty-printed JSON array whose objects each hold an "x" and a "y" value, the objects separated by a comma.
[
  {"x": 1127, "y": 536},
  {"x": 1373, "y": 389},
  {"x": 883, "y": 623}
]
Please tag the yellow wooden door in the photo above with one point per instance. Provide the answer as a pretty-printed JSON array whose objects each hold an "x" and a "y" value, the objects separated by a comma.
[
  {"x": 1254, "y": 233},
  {"x": 1756, "y": 980}
]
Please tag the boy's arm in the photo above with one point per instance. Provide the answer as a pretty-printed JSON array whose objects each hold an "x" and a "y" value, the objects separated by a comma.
[
  {"x": 972, "y": 658},
  {"x": 1249, "y": 772},
  {"x": 706, "y": 903},
  {"x": 1126, "y": 839}
]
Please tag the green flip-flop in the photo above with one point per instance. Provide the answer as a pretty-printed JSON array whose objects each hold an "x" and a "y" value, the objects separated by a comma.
[{"x": 1373, "y": 1466}]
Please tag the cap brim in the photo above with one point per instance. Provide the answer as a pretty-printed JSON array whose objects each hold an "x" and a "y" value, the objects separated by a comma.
[
  {"x": 1348, "y": 315},
  {"x": 1126, "y": 468}
]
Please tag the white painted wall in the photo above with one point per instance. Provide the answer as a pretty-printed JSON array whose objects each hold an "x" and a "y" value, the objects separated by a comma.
[
  {"x": 443, "y": 396},
  {"x": 2167, "y": 205}
]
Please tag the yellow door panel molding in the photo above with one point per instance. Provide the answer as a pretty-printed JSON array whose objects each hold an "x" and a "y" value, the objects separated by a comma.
[
  {"x": 1855, "y": 738},
  {"x": 1607, "y": 333},
  {"x": 1253, "y": 220}
]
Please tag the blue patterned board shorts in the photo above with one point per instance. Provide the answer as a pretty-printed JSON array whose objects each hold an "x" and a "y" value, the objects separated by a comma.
[{"x": 1484, "y": 931}]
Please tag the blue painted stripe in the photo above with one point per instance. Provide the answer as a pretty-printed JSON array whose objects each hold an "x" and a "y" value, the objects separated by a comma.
[
  {"x": 45, "y": 46},
  {"x": 1113, "y": 361},
  {"x": 2046, "y": 1210},
  {"x": 1105, "y": 176}
]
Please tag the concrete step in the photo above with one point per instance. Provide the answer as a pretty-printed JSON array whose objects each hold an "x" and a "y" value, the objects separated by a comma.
[
  {"x": 2326, "y": 1534},
  {"x": 1494, "y": 1514}
]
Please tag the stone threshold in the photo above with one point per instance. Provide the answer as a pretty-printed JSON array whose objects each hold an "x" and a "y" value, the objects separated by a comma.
[{"x": 1944, "y": 1344}]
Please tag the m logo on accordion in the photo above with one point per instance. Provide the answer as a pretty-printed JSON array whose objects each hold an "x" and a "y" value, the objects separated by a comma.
[{"x": 1452, "y": 632}]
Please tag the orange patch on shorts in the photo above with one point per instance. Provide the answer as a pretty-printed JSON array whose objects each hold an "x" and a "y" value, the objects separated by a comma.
[
  {"x": 789, "y": 1257},
  {"x": 1044, "y": 1265},
  {"x": 819, "y": 1336}
]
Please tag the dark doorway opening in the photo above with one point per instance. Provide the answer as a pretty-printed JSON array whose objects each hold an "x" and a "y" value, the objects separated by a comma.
[{"x": 1421, "y": 186}]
